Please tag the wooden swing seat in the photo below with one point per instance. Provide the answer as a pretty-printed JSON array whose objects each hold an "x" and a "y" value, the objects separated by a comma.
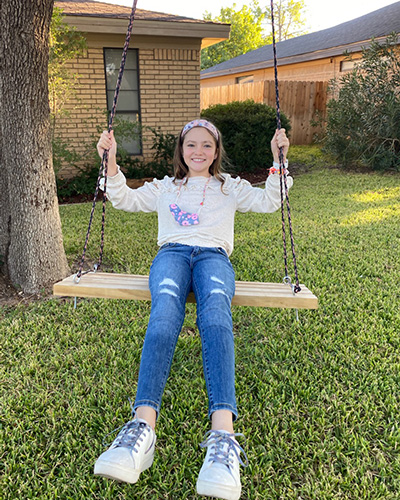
[{"x": 136, "y": 287}]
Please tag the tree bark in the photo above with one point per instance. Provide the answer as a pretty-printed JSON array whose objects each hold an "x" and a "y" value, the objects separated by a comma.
[{"x": 31, "y": 247}]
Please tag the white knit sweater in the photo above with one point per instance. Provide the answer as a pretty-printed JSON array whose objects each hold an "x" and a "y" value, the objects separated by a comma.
[{"x": 216, "y": 218}]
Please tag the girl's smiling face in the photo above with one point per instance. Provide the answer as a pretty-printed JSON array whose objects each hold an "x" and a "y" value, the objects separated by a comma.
[{"x": 199, "y": 151}]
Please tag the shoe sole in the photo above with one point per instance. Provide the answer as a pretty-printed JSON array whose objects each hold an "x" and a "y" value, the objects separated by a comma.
[
  {"x": 110, "y": 470},
  {"x": 217, "y": 490}
]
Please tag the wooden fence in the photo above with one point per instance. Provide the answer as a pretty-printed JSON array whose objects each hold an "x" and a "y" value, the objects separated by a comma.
[{"x": 300, "y": 101}]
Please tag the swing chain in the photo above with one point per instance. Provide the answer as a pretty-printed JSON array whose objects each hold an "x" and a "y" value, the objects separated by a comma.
[
  {"x": 282, "y": 175},
  {"x": 104, "y": 163}
]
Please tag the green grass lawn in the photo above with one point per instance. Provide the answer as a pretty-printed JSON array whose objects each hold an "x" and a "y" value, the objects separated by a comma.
[{"x": 318, "y": 398}]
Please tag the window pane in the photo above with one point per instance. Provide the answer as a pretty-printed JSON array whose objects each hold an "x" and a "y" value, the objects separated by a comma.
[
  {"x": 131, "y": 60},
  {"x": 127, "y": 101},
  {"x": 113, "y": 58},
  {"x": 126, "y": 137},
  {"x": 245, "y": 79},
  {"x": 129, "y": 79}
]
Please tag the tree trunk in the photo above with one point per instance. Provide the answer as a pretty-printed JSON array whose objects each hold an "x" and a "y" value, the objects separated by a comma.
[{"x": 31, "y": 247}]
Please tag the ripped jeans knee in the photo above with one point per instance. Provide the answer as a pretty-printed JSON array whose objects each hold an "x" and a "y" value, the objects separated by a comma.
[
  {"x": 168, "y": 285},
  {"x": 176, "y": 270}
]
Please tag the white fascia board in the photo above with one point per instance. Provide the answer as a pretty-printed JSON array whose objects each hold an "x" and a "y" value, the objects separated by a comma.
[{"x": 211, "y": 32}]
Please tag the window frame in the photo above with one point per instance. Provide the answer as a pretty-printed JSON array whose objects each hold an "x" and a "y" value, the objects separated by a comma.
[
  {"x": 243, "y": 79},
  {"x": 132, "y": 112}
]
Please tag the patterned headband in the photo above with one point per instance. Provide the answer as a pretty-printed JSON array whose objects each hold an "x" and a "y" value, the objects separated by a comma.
[{"x": 201, "y": 123}]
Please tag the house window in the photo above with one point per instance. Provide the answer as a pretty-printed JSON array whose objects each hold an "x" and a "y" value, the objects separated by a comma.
[
  {"x": 245, "y": 79},
  {"x": 348, "y": 65},
  {"x": 128, "y": 106}
]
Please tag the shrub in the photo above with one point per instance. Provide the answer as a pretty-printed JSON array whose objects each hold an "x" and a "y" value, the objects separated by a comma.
[
  {"x": 160, "y": 165},
  {"x": 164, "y": 147},
  {"x": 247, "y": 128},
  {"x": 363, "y": 124},
  {"x": 84, "y": 182},
  {"x": 63, "y": 154}
]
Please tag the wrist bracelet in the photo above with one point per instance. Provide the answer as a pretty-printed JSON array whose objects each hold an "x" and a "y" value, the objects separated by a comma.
[{"x": 274, "y": 170}]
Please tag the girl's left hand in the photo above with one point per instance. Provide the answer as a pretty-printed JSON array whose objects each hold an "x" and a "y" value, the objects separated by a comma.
[{"x": 279, "y": 140}]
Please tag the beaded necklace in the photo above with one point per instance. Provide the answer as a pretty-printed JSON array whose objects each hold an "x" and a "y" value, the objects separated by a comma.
[{"x": 187, "y": 218}]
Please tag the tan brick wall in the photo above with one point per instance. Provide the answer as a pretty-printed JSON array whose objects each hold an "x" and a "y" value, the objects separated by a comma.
[
  {"x": 86, "y": 108},
  {"x": 169, "y": 80},
  {"x": 169, "y": 90}
]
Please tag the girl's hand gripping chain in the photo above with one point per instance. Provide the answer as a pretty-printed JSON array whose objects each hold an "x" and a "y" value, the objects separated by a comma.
[
  {"x": 279, "y": 140},
  {"x": 107, "y": 142}
]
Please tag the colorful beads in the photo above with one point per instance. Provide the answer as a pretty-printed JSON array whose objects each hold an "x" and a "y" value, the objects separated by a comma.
[{"x": 274, "y": 170}]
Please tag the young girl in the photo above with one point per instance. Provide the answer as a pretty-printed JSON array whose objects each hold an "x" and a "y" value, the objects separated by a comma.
[{"x": 196, "y": 210}]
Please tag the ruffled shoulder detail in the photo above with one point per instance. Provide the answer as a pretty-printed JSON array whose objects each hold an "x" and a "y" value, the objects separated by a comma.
[
  {"x": 164, "y": 185},
  {"x": 235, "y": 184}
]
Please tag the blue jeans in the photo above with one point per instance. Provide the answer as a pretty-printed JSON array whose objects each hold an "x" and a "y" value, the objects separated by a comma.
[{"x": 176, "y": 270}]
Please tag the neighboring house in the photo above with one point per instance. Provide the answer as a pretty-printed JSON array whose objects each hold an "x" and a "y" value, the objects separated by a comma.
[
  {"x": 161, "y": 85},
  {"x": 314, "y": 57}
]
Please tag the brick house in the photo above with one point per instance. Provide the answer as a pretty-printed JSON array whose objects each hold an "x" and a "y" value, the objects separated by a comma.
[
  {"x": 161, "y": 85},
  {"x": 314, "y": 57}
]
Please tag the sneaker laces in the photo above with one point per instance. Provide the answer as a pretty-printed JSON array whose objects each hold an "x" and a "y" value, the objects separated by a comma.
[
  {"x": 224, "y": 443},
  {"x": 129, "y": 434}
]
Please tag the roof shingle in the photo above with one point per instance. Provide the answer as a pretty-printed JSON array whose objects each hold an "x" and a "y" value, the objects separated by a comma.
[{"x": 91, "y": 8}]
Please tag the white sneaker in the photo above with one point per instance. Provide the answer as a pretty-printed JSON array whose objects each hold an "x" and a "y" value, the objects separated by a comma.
[
  {"x": 131, "y": 453},
  {"x": 219, "y": 476}
]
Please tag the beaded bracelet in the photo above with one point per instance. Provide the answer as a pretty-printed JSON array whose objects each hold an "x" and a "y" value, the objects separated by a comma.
[{"x": 274, "y": 170}]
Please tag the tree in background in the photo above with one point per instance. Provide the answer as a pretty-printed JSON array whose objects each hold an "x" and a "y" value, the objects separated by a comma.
[
  {"x": 251, "y": 29},
  {"x": 31, "y": 246},
  {"x": 246, "y": 34},
  {"x": 288, "y": 19},
  {"x": 363, "y": 124},
  {"x": 65, "y": 44}
]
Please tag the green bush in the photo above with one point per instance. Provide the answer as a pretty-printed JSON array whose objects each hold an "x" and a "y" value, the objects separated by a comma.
[
  {"x": 63, "y": 154},
  {"x": 83, "y": 183},
  {"x": 164, "y": 147},
  {"x": 247, "y": 128},
  {"x": 162, "y": 162},
  {"x": 363, "y": 124},
  {"x": 134, "y": 168}
]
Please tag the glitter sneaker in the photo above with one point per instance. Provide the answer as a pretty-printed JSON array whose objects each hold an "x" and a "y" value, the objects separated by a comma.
[
  {"x": 131, "y": 452},
  {"x": 219, "y": 476}
]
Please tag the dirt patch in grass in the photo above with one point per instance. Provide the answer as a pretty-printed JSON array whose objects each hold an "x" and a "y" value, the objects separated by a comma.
[{"x": 8, "y": 294}]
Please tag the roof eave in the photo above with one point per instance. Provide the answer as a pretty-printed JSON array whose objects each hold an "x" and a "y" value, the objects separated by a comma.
[
  {"x": 210, "y": 33},
  {"x": 309, "y": 56}
]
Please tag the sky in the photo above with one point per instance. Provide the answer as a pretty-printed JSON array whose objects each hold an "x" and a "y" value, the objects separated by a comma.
[{"x": 320, "y": 14}]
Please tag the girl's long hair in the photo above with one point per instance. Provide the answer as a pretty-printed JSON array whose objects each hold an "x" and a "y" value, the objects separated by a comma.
[{"x": 181, "y": 169}]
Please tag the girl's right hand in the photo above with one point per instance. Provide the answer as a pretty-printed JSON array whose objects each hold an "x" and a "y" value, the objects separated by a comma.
[
  {"x": 279, "y": 140},
  {"x": 107, "y": 142}
]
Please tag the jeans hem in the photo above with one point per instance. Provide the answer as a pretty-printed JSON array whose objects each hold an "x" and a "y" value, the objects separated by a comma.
[
  {"x": 146, "y": 402},
  {"x": 224, "y": 406}
]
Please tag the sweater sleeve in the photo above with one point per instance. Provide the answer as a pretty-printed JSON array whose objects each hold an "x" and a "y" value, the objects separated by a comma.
[
  {"x": 256, "y": 199},
  {"x": 122, "y": 197}
]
